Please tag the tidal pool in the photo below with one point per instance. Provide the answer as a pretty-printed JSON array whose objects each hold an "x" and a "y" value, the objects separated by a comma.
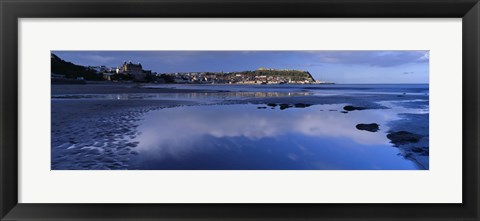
[{"x": 261, "y": 137}]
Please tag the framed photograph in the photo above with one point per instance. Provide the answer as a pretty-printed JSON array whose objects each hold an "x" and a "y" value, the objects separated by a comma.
[{"x": 261, "y": 110}]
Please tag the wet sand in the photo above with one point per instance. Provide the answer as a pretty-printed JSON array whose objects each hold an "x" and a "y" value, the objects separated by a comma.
[
  {"x": 97, "y": 133},
  {"x": 416, "y": 150},
  {"x": 117, "y": 88}
]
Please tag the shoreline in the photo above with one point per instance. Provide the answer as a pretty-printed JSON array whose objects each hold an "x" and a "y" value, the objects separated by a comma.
[
  {"x": 120, "y": 88},
  {"x": 97, "y": 134},
  {"x": 111, "y": 149},
  {"x": 418, "y": 151}
]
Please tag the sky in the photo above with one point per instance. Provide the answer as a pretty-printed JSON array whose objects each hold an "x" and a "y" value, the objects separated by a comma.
[{"x": 332, "y": 66}]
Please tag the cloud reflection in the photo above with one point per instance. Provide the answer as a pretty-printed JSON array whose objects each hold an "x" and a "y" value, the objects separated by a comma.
[{"x": 176, "y": 131}]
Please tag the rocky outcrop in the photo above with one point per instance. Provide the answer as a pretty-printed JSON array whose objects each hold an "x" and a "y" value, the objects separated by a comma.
[
  {"x": 352, "y": 108},
  {"x": 403, "y": 137},
  {"x": 373, "y": 127}
]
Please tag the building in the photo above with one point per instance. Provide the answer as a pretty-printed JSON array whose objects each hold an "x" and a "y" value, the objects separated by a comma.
[
  {"x": 98, "y": 69},
  {"x": 109, "y": 76},
  {"x": 57, "y": 76},
  {"x": 135, "y": 70}
]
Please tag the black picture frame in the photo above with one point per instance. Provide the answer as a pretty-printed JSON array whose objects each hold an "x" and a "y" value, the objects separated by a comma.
[{"x": 12, "y": 10}]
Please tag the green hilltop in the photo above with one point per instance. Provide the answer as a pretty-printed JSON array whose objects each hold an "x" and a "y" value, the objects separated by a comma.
[
  {"x": 71, "y": 70},
  {"x": 259, "y": 76},
  {"x": 67, "y": 70}
]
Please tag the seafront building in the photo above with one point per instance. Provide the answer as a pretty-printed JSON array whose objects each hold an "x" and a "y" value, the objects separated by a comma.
[
  {"x": 259, "y": 76},
  {"x": 134, "y": 70},
  {"x": 130, "y": 71}
]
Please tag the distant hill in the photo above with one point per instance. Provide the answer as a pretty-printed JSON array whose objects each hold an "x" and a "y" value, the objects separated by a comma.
[
  {"x": 71, "y": 70},
  {"x": 259, "y": 76},
  {"x": 293, "y": 75}
]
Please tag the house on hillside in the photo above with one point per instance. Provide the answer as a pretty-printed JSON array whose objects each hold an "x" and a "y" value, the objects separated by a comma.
[{"x": 135, "y": 70}]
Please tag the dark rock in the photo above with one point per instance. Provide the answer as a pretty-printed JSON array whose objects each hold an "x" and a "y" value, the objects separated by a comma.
[
  {"x": 403, "y": 137},
  {"x": 417, "y": 149},
  {"x": 373, "y": 127},
  {"x": 422, "y": 151},
  {"x": 344, "y": 112},
  {"x": 302, "y": 105},
  {"x": 261, "y": 107},
  {"x": 352, "y": 108},
  {"x": 285, "y": 106},
  {"x": 271, "y": 104}
]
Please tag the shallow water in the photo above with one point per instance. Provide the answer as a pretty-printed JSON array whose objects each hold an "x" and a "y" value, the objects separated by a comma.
[
  {"x": 243, "y": 137},
  {"x": 196, "y": 96},
  {"x": 224, "y": 131},
  {"x": 411, "y": 89}
]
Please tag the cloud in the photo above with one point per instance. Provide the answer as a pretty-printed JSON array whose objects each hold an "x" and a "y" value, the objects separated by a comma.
[
  {"x": 97, "y": 59},
  {"x": 425, "y": 56},
  {"x": 372, "y": 58}
]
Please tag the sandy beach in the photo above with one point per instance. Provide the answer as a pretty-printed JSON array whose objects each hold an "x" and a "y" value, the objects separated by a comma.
[
  {"x": 95, "y": 134},
  {"x": 95, "y": 125}
]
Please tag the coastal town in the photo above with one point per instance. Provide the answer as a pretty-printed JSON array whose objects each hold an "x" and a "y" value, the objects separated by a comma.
[
  {"x": 67, "y": 72},
  {"x": 204, "y": 110}
]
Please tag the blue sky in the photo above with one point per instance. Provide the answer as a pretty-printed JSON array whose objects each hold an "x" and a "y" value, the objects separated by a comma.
[{"x": 332, "y": 66}]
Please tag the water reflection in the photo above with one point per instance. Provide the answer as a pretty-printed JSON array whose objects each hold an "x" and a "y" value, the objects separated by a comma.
[
  {"x": 176, "y": 96},
  {"x": 244, "y": 137}
]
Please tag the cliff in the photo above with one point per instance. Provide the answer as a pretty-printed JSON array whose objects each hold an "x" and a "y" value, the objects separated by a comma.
[
  {"x": 260, "y": 76},
  {"x": 71, "y": 70}
]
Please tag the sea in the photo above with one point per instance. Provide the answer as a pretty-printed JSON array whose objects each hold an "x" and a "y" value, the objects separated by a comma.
[
  {"x": 263, "y": 127},
  {"x": 261, "y": 137}
]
